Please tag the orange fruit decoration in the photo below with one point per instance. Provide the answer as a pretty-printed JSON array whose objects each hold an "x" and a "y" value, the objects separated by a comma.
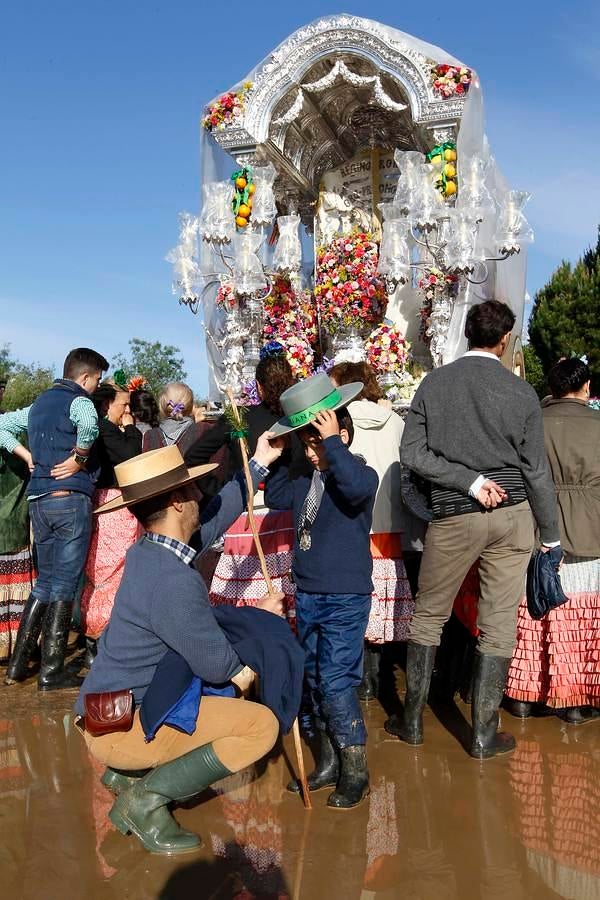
[
  {"x": 251, "y": 189},
  {"x": 240, "y": 182},
  {"x": 449, "y": 170},
  {"x": 241, "y": 221},
  {"x": 450, "y": 155},
  {"x": 450, "y": 188},
  {"x": 244, "y": 211}
]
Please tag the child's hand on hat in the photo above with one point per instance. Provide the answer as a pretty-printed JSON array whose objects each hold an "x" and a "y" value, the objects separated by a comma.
[
  {"x": 326, "y": 423},
  {"x": 268, "y": 448}
]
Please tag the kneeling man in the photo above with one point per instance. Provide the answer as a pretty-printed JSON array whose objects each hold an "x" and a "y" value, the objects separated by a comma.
[{"x": 162, "y": 604}]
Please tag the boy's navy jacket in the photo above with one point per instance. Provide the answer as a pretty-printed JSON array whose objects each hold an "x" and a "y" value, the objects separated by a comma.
[
  {"x": 262, "y": 641},
  {"x": 339, "y": 559}
]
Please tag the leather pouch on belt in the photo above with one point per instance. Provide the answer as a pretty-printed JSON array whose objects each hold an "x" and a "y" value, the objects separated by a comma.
[{"x": 108, "y": 712}]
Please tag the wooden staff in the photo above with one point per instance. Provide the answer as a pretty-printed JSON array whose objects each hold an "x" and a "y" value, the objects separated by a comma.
[{"x": 263, "y": 565}]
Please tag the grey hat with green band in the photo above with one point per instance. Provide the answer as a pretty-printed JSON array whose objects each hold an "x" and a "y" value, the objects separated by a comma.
[{"x": 304, "y": 400}]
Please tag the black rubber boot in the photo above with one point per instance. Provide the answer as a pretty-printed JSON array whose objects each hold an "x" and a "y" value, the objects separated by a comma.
[
  {"x": 353, "y": 783},
  {"x": 489, "y": 680},
  {"x": 419, "y": 666},
  {"x": 142, "y": 808},
  {"x": 119, "y": 780},
  {"x": 55, "y": 633},
  {"x": 27, "y": 639},
  {"x": 520, "y": 709},
  {"x": 578, "y": 715},
  {"x": 91, "y": 650},
  {"x": 327, "y": 767},
  {"x": 369, "y": 686}
]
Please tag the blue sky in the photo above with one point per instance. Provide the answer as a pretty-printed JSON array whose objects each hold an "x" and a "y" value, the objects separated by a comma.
[{"x": 100, "y": 113}]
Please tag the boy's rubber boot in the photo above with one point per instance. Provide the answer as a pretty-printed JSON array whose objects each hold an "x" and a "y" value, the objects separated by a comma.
[
  {"x": 27, "y": 638},
  {"x": 119, "y": 780},
  {"x": 419, "y": 666},
  {"x": 489, "y": 681},
  {"x": 142, "y": 808},
  {"x": 578, "y": 715},
  {"x": 55, "y": 633},
  {"x": 520, "y": 709},
  {"x": 353, "y": 783},
  {"x": 327, "y": 767}
]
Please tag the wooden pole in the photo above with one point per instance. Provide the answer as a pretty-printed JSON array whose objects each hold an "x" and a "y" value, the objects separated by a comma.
[{"x": 263, "y": 565}]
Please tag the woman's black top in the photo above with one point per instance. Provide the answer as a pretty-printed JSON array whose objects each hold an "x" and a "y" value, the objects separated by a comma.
[{"x": 113, "y": 447}]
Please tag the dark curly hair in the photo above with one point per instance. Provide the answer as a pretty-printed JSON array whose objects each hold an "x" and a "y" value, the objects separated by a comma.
[
  {"x": 488, "y": 322},
  {"x": 346, "y": 372},
  {"x": 274, "y": 376},
  {"x": 145, "y": 408},
  {"x": 568, "y": 376}
]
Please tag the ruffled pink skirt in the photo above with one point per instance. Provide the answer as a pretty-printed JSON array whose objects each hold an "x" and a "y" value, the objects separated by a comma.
[
  {"x": 557, "y": 659},
  {"x": 112, "y": 536}
]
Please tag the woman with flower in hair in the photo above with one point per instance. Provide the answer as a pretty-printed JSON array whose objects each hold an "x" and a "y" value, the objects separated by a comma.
[
  {"x": 112, "y": 535},
  {"x": 377, "y": 435}
]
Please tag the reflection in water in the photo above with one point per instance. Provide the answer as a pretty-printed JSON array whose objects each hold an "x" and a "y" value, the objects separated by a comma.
[
  {"x": 558, "y": 801},
  {"x": 437, "y": 826}
]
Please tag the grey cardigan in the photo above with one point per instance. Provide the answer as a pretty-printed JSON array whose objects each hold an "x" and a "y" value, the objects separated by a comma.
[{"x": 473, "y": 416}]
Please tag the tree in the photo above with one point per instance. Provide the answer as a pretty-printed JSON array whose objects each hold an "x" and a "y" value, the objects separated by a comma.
[
  {"x": 534, "y": 371},
  {"x": 156, "y": 362},
  {"x": 564, "y": 320},
  {"x": 7, "y": 363},
  {"x": 25, "y": 383}
]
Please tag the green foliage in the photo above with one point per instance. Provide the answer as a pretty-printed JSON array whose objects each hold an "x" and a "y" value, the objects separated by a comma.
[
  {"x": 565, "y": 317},
  {"x": 7, "y": 363},
  {"x": 25, "y": 383},
  {"x": 534, "y": 371},
  {"x": 157, "y": 363}
]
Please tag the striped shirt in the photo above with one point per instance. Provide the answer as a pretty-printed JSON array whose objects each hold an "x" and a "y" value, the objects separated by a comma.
[
  {"x": 82, "y": 414},
  {"x": 447, "y": 502}
]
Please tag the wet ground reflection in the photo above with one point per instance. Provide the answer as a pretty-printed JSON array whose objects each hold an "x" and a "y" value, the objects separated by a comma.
[{"x": 437, "y": 825}]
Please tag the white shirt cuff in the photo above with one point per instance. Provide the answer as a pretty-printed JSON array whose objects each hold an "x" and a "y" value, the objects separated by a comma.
[
  {"x": 476, "y": 486},
  {"x": 550, "y": 544}
]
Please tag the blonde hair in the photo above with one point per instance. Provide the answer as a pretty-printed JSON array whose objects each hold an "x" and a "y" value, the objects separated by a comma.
[{"x": 174, "y": 394}]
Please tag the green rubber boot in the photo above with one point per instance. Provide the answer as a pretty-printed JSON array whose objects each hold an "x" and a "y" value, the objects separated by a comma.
[
  {"x": 142, "y": 808},
  {"x": 119, "y": 780}
]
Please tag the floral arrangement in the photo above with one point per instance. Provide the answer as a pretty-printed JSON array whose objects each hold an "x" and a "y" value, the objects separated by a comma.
[
  {"x": 290, "y": 320},
  {"x": 226, "y": 296},
  {"x": 387, "y": 349},
  {"x": 348, "y": 287},
  {"x": 450, "y": 81},
  {"x": 433, "y": 283},
  {"x": 405, "y": 386},
  {"x": 226, "y": 109},
  {"x": 443, "y": 160}
]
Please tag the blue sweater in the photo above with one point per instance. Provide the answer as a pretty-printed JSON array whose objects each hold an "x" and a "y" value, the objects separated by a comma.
[
  {"x": 339, "y": 559},
  {"x": 161, "y": 604}
]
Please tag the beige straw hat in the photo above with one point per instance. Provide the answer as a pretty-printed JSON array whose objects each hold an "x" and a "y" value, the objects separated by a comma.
[{"x": 150, "y": 474}]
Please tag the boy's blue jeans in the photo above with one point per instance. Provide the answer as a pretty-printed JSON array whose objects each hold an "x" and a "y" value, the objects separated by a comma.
[
  {"x": 61, "y": 531},
  {"x": 331, "y": 629}
]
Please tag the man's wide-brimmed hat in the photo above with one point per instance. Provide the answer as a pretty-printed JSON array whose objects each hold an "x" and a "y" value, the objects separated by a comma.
[
  {"x": 150, "y": 474},
  {"x": 303, "y": 401}
]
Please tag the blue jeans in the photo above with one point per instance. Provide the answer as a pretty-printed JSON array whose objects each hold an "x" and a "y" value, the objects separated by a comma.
[
  {"x": 331, "y": 629},
  {"x": 61, "y": 531}
]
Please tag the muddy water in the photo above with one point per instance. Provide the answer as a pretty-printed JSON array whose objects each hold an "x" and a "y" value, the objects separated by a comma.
[{"x": 437, "y": 824}]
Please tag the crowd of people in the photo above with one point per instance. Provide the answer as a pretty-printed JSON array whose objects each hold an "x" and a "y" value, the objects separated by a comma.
[{"x": 124, "y": 518}]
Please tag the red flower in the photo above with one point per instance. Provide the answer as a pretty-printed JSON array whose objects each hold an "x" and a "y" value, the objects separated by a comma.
[{"x": 460, "y": 88}]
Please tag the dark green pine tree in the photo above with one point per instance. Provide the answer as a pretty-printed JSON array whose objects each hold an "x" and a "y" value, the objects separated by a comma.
[{"x": 565, "y": 318}]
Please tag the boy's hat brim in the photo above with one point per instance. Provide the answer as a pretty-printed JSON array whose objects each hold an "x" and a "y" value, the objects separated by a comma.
[
  {"x": 345, "y": 392},
  {"x": 151, "y": 474}
]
